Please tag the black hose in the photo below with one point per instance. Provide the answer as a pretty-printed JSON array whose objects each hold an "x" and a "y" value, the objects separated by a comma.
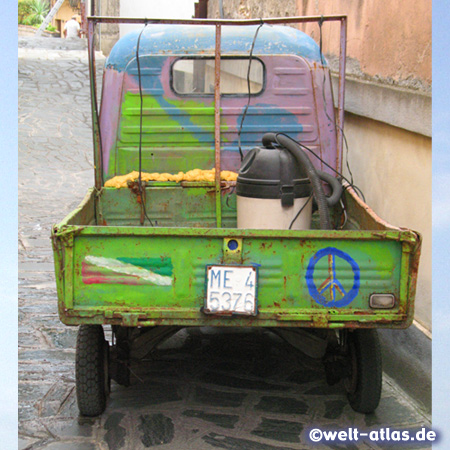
[
  {"x": 269, "y": 139},
  {"x": 336, "y": 187},
  {"x": 324, "y": 215}
]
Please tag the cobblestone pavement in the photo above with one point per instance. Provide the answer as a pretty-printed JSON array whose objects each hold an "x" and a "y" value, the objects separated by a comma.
[{"x": 203, "y": 389}]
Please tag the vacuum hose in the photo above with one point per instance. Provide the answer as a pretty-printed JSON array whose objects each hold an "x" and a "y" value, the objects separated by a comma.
[
  {"x": 336, "y": 187},
  {"x": 314, "y": 176}
]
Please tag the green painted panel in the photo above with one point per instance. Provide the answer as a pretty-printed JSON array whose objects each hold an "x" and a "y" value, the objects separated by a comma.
[
  {"x": 123, "y": 273},
  {"x": 177, "y": 135},
  {"x": 172, "y": 206},
  {"x": 120, "y": 271}
]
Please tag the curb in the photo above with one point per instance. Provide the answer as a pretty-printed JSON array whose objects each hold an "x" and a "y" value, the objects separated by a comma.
[{"x": 407, "y": 359}]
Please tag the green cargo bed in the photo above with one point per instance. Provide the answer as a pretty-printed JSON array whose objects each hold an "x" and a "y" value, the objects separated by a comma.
[{"x": 112, "y": 270}]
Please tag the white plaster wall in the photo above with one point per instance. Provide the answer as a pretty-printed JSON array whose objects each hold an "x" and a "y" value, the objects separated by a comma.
[
  {"x": 392, "y": 166},
  {"x": 156, "y": 9}
]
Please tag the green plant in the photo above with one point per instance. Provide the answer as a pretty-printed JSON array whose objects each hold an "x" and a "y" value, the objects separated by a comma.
[
  {"x": 39, "y": 10},
  {"x": 24, "y": 10},
  {"x": 51, "y": 28}
]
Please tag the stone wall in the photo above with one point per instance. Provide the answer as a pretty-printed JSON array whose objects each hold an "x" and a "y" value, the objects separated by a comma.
[
  {"x": 108, "y": 33},
  {"x": 242, "y": 9}
]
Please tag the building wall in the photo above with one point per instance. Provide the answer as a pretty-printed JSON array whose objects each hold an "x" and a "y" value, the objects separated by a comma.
[
  {"x": 387, "y": 39},
  {"x": 246, "y": 9},
  {"x": 388, "y": 104},
  {"x": 109, "y": 33},
  {"x": 64, "y": 14},
  {"x": 392, "y": 167},
  {"x": 144, "y": 8},
  {"x": 106, "y": 34}
]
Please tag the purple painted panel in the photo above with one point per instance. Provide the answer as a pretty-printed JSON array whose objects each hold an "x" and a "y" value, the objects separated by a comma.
[
  {"x": 326, "y": 118},
  {"x": 110, "y": 112},
  {"x": 292, "y": 102}
]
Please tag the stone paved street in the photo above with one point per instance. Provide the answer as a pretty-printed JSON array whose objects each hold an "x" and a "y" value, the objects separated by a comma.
[{"x": 202, "y": 389}]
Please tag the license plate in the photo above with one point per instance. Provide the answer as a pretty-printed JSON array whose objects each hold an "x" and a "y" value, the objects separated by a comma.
[{"x": 231, "y": 290}]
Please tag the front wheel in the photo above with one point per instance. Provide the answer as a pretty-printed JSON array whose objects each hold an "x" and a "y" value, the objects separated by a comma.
[
  {"x": 365, "y": 379},
  {"x": 91, "y": 370}
]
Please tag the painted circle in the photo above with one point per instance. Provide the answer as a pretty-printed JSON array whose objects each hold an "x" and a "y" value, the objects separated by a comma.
[
  {"x": 233, "y": 244},
  {"x": 314, "y": 292}
]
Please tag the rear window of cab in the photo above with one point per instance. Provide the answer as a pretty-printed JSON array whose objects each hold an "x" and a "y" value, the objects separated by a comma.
[{"x": 195, "y": 76}]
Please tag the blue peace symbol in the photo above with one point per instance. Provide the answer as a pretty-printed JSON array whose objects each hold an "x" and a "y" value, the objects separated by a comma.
[{"x": 332, "y": 282}]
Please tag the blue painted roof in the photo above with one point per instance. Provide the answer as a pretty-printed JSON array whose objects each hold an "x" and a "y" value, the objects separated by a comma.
[{"x": 195, "y": 40}]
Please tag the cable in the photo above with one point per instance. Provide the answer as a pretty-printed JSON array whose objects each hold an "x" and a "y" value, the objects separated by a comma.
[
  {"x": 300, "y": 211},
  {"x": 248, "y": 87},
  {"x": 356, "y": 188},
  {"x": 321, "y": 21},
  {"x": 140, "y": 124},
  {"x": 325, "y": 102},
  {"x": 227, "y": 201},
  {"x": 345, "y": 215},
  {"x": 346, "y": 154}
]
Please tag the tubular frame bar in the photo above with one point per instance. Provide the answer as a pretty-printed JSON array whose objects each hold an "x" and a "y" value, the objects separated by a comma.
[
  {"x": 98, "y": 157},
  {"x": 217, "y": 164},
  {"x": 269, "y": 20}
]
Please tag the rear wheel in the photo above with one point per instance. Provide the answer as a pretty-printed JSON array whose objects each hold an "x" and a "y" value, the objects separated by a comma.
[
  {"x": 91, "y": 370},
  {"x": 365, "y": 379}
]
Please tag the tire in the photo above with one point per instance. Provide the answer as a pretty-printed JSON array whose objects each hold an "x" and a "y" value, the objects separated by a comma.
[
  {"x": 91, "y": 370},
  {"x": 364, "y": 383}
]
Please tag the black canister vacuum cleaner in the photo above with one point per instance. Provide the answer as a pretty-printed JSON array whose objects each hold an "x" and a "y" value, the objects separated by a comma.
[{"x": 276, "y": 182}]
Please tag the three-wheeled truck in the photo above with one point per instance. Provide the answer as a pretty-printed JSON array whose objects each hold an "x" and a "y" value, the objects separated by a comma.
[{"x": 219, "y": 201}]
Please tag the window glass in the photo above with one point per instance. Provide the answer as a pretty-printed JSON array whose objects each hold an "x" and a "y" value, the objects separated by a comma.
[{"x": 196, "y": 76}]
